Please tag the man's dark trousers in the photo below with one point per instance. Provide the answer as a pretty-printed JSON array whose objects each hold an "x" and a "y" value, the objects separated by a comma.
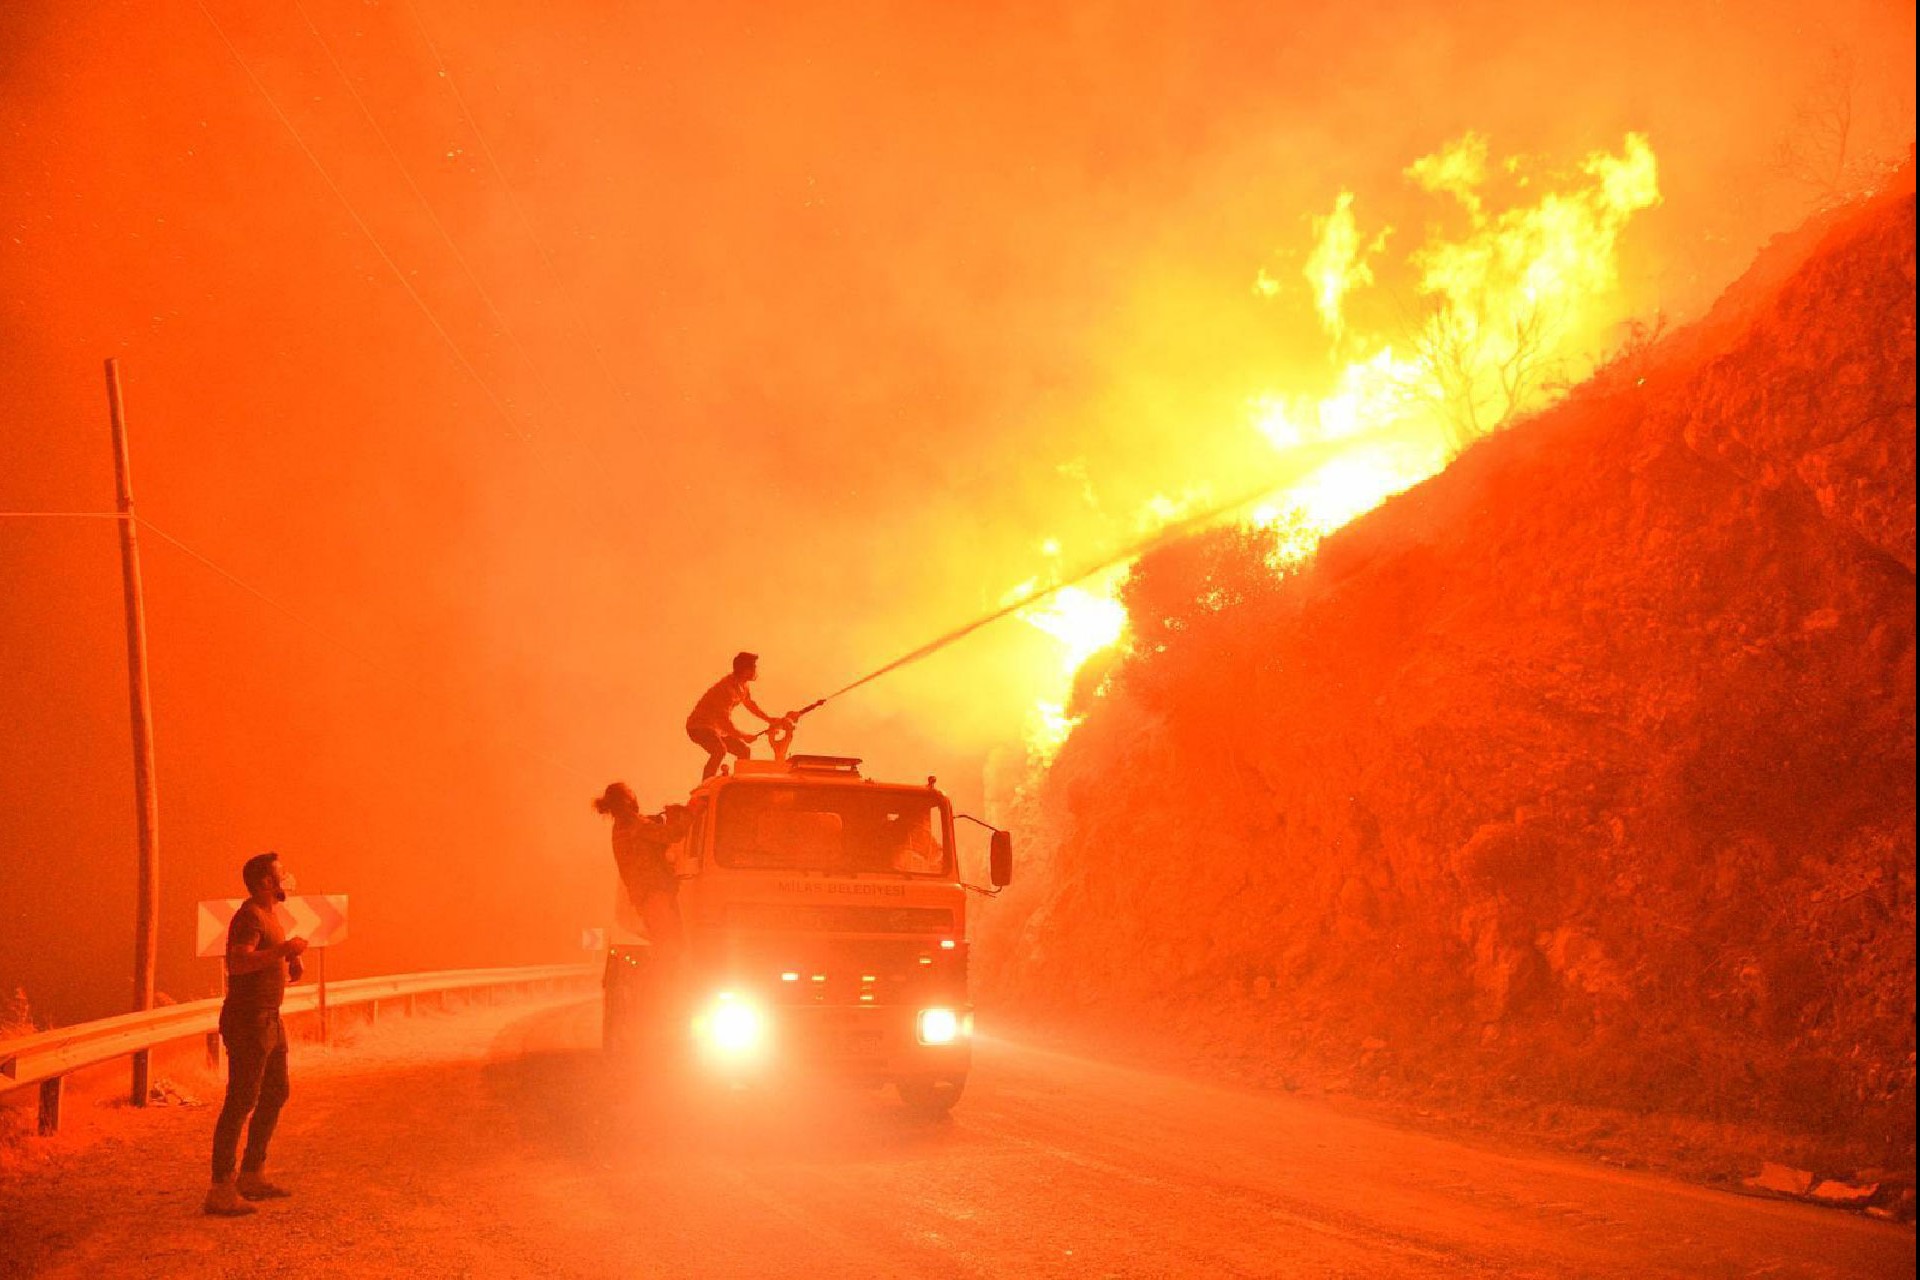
[{"x": 256, "y": 1085}]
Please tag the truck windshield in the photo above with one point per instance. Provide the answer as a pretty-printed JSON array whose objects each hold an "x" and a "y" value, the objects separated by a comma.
[{"x": 832, "y": 828}]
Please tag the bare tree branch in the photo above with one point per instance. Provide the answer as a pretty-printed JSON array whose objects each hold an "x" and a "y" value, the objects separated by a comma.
[{"x": 1815, "y": 153}]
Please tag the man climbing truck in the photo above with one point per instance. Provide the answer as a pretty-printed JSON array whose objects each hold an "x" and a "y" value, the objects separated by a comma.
[{"x": 824, "y": 928}]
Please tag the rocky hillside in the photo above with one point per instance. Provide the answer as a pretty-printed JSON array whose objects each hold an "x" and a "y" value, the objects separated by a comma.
[{"x": 1581, "y": 775}]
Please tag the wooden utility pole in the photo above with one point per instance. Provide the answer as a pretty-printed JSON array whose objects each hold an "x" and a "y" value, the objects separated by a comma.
[{"x": 146, "y": 804}]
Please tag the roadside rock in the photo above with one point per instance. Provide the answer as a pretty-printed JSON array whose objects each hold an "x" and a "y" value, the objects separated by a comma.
[
  {"x": 1843, "y": 1195},
  {"x": 1781, "y": 1180},
  {"x": 1897, "y": 1207}
]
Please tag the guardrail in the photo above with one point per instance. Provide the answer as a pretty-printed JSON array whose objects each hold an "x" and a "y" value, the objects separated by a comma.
[{"x": 46, "y": 1057}]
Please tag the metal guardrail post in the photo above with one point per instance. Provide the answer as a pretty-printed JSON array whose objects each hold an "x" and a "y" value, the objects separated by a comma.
[{"x": 50, "y": 1105}]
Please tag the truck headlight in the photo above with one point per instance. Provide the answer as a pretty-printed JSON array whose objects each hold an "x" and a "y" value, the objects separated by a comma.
[
  {"x": 732, "y": 1025},
  {"x": 939, "y": 1026}
]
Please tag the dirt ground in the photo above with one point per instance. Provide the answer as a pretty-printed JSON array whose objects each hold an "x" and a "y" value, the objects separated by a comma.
[{"x": 500, "y": 1143}]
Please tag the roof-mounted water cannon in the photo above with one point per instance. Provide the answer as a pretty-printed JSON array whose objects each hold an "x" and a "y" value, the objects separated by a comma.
[
  {"x": 999, "y": 853},
  {"x": 779, "y": 733}
]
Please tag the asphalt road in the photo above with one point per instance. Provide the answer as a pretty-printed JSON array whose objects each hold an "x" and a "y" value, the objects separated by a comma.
[{"x": 499, "y": 1144}]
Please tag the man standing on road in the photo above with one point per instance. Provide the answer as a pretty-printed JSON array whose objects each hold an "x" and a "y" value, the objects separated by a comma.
[
  {"x": 710, "y": 723},
  {"x": 261, "y": 960}
]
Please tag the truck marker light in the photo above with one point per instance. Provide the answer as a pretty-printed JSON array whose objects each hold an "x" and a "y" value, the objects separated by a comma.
[
  {"x": 926, "y": 959},
  {"x": 946, "y": 944},
  {"x": 789, "y": 977},
  {"x": 819, "y": 977},
  {"x": 866, "y": 977},
  {"x": 939, "y": 1026}
]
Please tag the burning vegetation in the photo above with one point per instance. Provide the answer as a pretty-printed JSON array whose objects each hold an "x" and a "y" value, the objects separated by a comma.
[
  {"x": 1579, "y": 776},
  {"x": 1495, "y": 313}
]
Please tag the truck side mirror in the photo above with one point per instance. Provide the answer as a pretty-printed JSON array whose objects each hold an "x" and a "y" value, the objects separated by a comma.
[{"x": 1000, "y": 859}]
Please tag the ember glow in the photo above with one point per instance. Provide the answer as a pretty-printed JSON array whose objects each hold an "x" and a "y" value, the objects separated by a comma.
[{"x": 1518, "y": 289}]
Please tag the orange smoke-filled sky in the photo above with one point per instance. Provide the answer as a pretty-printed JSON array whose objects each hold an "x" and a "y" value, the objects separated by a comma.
[{"x": 791, "y": 328}]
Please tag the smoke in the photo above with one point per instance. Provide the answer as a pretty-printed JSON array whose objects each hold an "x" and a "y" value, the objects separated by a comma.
[{"x": 829, "y": 319}]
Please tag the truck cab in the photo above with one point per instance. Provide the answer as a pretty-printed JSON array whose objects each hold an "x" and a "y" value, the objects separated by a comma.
[{"x": 824, "y": 930}]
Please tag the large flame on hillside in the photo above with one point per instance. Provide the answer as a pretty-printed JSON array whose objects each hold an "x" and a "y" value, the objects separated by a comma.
[
  {"x": 1085, "y": 618},
  {"x": 1513, "y": 303}
]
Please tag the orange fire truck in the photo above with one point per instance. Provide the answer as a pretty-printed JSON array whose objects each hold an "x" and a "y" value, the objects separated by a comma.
[{"x": 825, "y": 930}]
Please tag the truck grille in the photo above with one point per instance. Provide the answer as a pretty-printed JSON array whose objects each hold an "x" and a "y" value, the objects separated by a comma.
[
  {"x": 818, "y": 918},
  {"x": 850, "y": 973}
]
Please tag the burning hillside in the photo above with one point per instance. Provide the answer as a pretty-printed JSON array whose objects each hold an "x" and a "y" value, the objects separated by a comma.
[
  {"x": 1582, "y": 772},
  {"x": 1487, "y": 316}
]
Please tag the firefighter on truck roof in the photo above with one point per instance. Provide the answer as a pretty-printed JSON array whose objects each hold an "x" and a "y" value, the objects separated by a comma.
[{"x": 710, "y": 723}]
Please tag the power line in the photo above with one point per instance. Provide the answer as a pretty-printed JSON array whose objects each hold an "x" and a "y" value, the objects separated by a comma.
[
  {"x": 459, "y": 355},
  {"x": 452, "y": 247},
  {"x": 546, "y": 388},
  {"x": 67, "y": 515},
  {"x": 251, "y": 590},
  {"x": 498, "y": 404},
  {"x": 526, "y": 223}
]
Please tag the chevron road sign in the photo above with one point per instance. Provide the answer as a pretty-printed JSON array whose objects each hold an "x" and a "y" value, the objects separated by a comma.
[{"x": 320, "y": 918}]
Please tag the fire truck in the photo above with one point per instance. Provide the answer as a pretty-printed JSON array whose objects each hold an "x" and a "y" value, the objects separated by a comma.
[{"x": 824, "y": 932}]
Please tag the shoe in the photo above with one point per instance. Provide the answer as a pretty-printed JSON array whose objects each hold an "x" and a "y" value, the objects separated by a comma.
[
  {"x": 223, "y": 1200},
  {"x": 254, "y": 1186}
]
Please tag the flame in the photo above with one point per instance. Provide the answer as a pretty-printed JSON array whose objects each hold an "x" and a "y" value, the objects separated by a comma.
[
  {"x": 1458, "y": 169},
  {"x": 1511, "y": 304},
  {"x": 1084, "y": 620},
  {"x": 1048, "y": 727},
  {"x": 1358, "y": 482},
  {"x": 1338, "y": 263},
  {"x": 1368, "y": 394}
]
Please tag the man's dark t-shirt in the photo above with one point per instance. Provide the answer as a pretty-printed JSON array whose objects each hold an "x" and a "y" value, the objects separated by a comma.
[{"x": 255, "y": 929}]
